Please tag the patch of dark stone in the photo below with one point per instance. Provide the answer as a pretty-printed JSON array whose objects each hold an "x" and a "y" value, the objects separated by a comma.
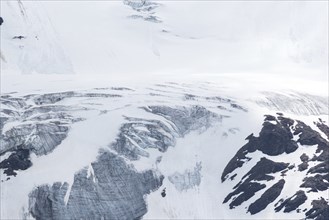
[
  {"x": 18, "y": 160},
  {"x": 303, "y": 166},
  {"x": 270, "y": 118},
  {"x": 319, "y": 210},
  {"x": 264, "y": 167},
  {"x": 247, "y": 187},
  {"x": 247, "y": 191},
  {"x": 163, "y": 193},
  {"x": 273, "y": 140},
  {"x": 322, "y": 168},
  {"x": 323, "y": 127},
  {"x": 233, "y": 176},
  {"x": 20, "y": 37},
  {"x": 267, "y": 197},
  {"x": 311, "y": 137},
  {"x": 1, "y": 20},
  {"x": 316, "y": 183},
  {"x": 307, "y": 136},
  {"x": 304, "y": 157},
  {"x": 291, "y": 203}
]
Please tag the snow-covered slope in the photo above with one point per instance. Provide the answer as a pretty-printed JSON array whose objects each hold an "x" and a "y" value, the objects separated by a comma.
[
  {"x": 131, "y": 37},
  {"x": 29, "y": 43},
  {"x": 173, "y": 148},
  {"x": 176, "y": 110}
]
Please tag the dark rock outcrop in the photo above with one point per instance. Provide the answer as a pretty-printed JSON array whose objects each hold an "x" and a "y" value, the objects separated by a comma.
[
  {"x": 263, "y": 168},
  {"x": 281, "y": 135},
  {"x": 316, "y": 183},
  {"x": 303, "y": 166},
  {"x": 247, "y": 191},
  {"x": 323, "y": 127},
  {"x": 18, "y": 160},
  {"x": 267, "y": 197},
  {"x": 319, "y": 210},
  {"x": 274, "y": 139},
  {"x": 247, "y": 188},
  {"x": 293, "y": 202}
]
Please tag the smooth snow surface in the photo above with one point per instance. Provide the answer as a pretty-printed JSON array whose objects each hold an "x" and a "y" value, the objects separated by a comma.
[{"x": 183, "y": 37}]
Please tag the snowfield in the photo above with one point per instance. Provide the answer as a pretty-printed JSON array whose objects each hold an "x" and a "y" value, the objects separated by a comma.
[
  {"x": 164, "y": 110},
  {"x": 171, "y": 37}
]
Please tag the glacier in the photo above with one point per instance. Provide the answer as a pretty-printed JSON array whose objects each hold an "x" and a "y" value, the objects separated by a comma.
[{"x": 141, "y": 109}]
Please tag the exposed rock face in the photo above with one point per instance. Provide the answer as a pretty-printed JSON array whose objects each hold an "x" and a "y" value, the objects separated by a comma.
[
  {"x": 281, "y": 136},
  {"x": 323, "y": 127},
  {"x": 319, "y": 210},
  {"x": 267, "y": 197},
  {"x": 307, "y": 136},
  {"x": 274, "y": 139},
  {"x": 18, "y": 160},
  {"x": 248, "y": 187},
  {"x": 244, "y": 192},
  {"x": 304, "y": 165},
  {"x": 293, "y": 202},
  {"x": 113, "y": 190},
  {"x": 188, "y": 179},
  {"x": 316, "y": 183}
]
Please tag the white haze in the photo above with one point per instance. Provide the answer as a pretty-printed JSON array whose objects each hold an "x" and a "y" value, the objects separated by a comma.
[{"x": 194, "y": 37}]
